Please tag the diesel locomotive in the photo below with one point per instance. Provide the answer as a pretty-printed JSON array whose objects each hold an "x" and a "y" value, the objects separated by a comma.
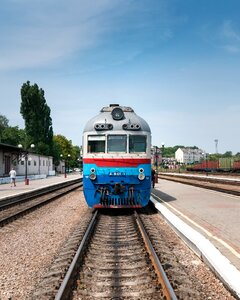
[{"x": 117, "y": 159}]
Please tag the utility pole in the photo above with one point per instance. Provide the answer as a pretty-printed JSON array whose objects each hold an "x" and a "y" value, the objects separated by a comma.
[{"x": 216, "y": 146}]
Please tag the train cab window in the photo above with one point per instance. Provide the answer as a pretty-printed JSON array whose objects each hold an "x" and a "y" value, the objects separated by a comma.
[
  {"x": 96, "y": 143},
  {"x": 117, "y": 143},
  {"x": 137, "y": 143}
]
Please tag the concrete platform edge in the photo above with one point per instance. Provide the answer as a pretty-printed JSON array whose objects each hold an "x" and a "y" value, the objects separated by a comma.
[{"x": 220, "y": 265}]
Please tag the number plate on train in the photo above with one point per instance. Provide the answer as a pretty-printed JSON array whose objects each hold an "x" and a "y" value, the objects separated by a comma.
[{"x": 117, "y": 173}]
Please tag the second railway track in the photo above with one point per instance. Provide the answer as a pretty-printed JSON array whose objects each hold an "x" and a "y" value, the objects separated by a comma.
[
  {"x": 208, "y": 182},
  {"x": 15, "y": 208}
]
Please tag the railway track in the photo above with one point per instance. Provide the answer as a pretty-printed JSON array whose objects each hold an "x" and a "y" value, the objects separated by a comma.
[
  {"x": 106, "y": 257},
  {"x": 116, "y": 260},
  {"x": 15, "y": 207},
  {"x": 208, "y": 182}
]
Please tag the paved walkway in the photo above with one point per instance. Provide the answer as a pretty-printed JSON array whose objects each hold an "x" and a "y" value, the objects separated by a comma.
[
  {"x": 6, "y": 190},
  {"x": 216, "y": 215},
  {"x": 215, "y": 218}
]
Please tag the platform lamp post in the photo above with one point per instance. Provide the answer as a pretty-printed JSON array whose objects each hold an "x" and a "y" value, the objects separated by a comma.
[
  {"x": 81, "y": 156},
  {"x": 68, "y": 158},
  {"x": 79, "y": 160},
  {"x": 66, "y": 163},
  {"x": 206, "y": 164},
  {"x": 163, "y": 145},
  {"x": 25, "y": 155},
  {"x": 65, "y": 172},
  {"x": 156, "y": 163}
]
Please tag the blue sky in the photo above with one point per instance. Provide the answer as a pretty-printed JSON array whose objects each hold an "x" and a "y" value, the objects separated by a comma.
[{"x": 175, "y": 62}]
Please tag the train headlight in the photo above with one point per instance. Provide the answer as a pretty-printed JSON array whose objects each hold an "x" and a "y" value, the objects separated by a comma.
[
  {"x": 141, "y": 176},
  {"x": 92, "y": 170},
  {"x": 117, "y": 114},
  {"x": 92, "y": 176},
  {"x": 141, "y": 170}
]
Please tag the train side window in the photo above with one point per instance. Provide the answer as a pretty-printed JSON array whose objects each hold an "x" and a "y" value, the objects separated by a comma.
[
  {"x": 137, "y": 143},
  {"x": 96, "y": 143},
  {"x": 117, "y": 143}
]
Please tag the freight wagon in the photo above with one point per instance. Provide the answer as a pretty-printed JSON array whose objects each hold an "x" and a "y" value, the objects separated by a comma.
[{"x": 222, "y": 165}]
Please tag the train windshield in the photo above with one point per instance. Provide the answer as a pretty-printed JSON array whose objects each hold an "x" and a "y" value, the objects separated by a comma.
[
  {"x": 96, "y": 143},
  {"x": 137, "y": 143},
  {"x": 117, "y": 143}
]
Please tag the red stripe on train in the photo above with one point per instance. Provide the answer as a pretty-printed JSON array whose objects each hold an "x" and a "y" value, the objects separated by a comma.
[{"x": 117, "y": 162}]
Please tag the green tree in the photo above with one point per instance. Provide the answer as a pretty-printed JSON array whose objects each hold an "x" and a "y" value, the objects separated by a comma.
[
  {"x": 227, "y": 154},
  {"x": 38, "y": 122},
  {"x": 214, "y": 156},
  {"x": 13, "y": 136},
  {"x": 63, "y": 148},
  {"x": 3, "y": 124},
  {"x": 170, "y": 151},
  {"x": 63, "y": 145},
  {"x": 75, "y": 156}
]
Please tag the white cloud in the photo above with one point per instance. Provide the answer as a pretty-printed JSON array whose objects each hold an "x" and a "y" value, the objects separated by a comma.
[
  {"x": 230, "y": 37},
  {"x": 229, "y": 32},
  {"x": 224, "y": 36},
  {"x": 50, "y": 31},
  {"x": 231, "y": 48},
  {"x": 41, "y": 33},
  {"x": 35, "y": 47}
]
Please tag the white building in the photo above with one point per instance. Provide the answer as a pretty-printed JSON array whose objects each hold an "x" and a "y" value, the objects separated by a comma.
[
  {"x": 188, "y": 155},
  {"x": 36, "y": 164},
  {"x": 13, "y": 157}
]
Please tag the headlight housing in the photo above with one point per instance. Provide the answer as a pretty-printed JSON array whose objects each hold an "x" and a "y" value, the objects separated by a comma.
[
  {"x": 141, "y": 176},
  {"x": 92, "y": 176}
]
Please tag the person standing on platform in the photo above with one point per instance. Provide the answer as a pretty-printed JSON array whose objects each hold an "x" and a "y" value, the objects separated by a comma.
[{"x": 13, "y": 175}]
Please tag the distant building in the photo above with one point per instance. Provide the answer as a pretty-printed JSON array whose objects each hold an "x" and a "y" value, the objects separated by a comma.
[
  {"x": 60, "y": 168},
  {"x": 189, "y": 155}
]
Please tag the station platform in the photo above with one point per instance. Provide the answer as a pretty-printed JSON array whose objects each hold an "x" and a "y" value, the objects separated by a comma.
[
  {"x": 208, "y": 221},
  {"x": 6, "y": 190}
]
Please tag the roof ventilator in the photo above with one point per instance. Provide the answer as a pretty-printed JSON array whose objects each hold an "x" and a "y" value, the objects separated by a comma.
[
  {"x": 130, "y": 126},
  {"x": 103, "y": 126}
]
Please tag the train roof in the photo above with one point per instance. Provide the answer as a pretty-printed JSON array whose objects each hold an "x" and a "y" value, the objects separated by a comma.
[{"x": 116, "y": 117}]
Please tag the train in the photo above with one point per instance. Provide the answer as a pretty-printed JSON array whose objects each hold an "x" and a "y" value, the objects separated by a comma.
[
  {"x": 116, "y": 159},
  {"x": 224, "y": 164}
]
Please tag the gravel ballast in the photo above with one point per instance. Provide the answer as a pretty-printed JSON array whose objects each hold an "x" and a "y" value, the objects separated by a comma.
[{"x": 29, "y": 245}]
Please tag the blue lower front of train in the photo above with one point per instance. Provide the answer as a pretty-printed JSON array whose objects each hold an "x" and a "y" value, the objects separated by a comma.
[{"x": 117, "y": 187}]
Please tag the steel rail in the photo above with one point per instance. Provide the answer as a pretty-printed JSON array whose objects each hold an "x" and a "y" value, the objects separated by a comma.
[
  {"x": 166, "y": 286},
  {"x": 65, "y": 288},
  {"x": 30, "y": 205},
  {"x": 219, "y": 186},
  {"x": 25, "y": 196}
]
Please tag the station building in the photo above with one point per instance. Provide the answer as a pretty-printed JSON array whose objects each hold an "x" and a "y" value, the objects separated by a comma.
[{"x": 22, "y": 162}]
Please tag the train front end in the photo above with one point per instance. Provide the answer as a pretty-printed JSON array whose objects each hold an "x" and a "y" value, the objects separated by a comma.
[{"x": 117, "y": 159}]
